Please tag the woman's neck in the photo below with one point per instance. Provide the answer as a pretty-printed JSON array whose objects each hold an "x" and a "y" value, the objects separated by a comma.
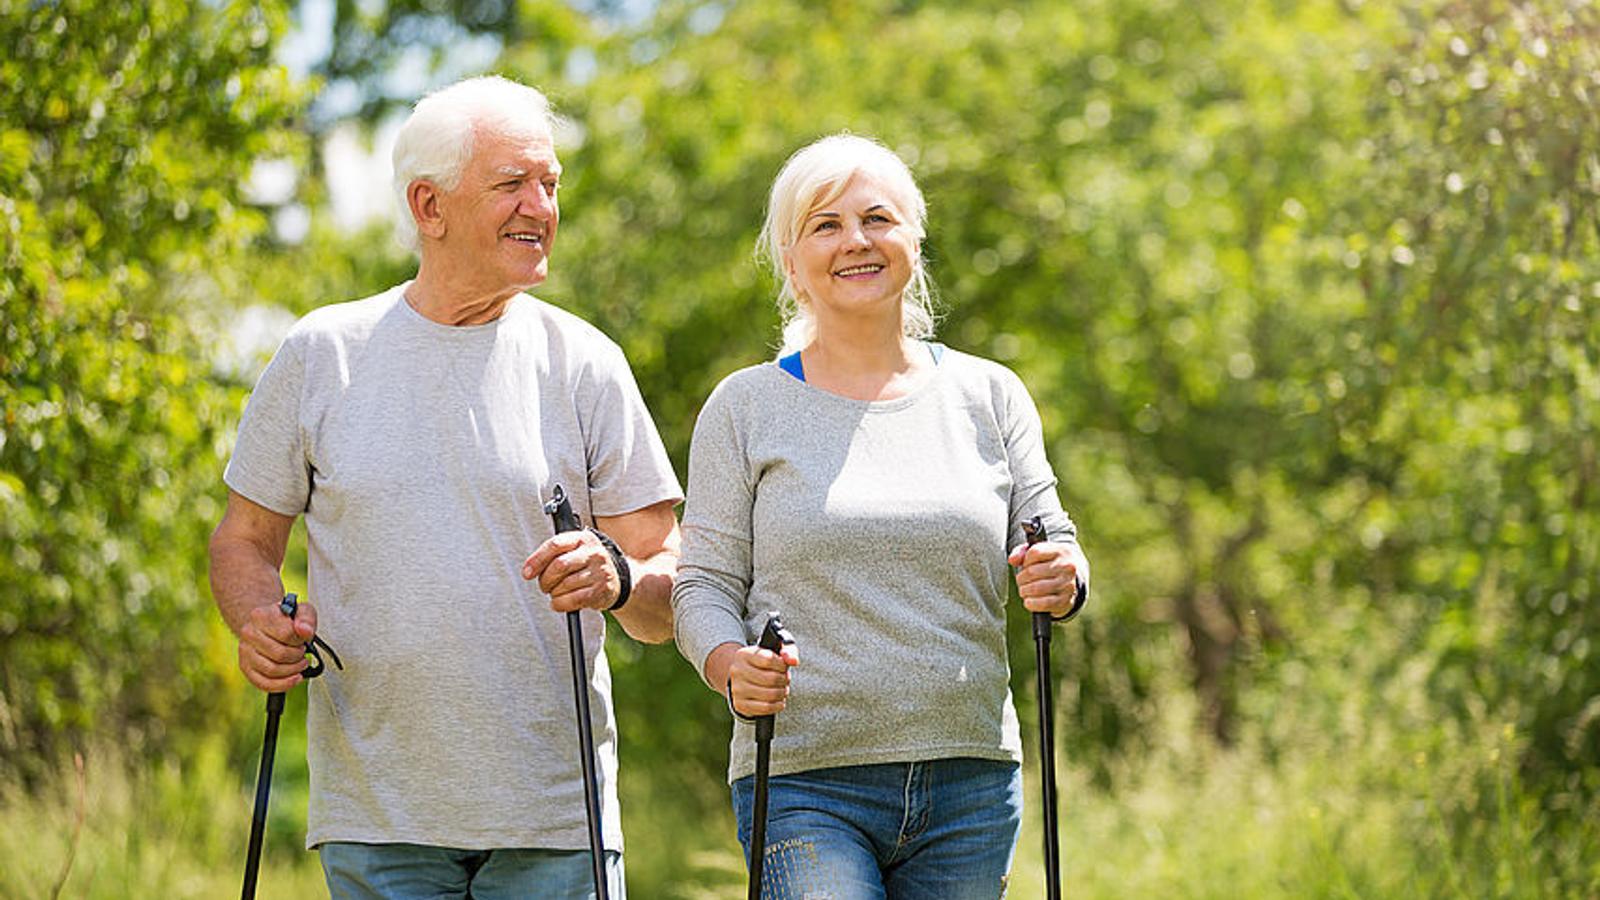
[{"x": 865, "y": 364}]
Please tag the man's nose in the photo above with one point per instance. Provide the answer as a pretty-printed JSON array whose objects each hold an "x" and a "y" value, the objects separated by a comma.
[{"x": 536, "y": 201}]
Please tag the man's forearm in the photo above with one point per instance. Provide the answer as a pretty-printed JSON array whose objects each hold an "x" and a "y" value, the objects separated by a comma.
[
  {"x": 648, "y": 615},
  {"x": 247, "y": 551},
  {"x": 243, "y": 577}
]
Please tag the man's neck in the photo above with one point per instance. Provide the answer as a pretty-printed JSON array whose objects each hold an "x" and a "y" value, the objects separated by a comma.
[{"x": 448, "y": 300}]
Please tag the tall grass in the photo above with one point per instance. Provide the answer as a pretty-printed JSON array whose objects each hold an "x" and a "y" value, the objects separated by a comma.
[
  {"x": 164, "y": 831},
  {"x": 1224, "y": 824},
  {"x": 1184, "y": 821}
]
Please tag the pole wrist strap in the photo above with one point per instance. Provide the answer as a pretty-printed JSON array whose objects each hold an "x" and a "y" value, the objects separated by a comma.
[{"x": 618, "y": 559}]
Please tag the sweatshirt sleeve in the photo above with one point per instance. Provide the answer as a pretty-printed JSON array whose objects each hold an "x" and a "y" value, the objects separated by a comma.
[
  {"x": 1033, "y": 481},
  {"x": 708, "y": 598}
]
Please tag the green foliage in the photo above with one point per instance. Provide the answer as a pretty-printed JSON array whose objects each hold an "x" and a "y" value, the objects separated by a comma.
[
  {"x": 1482, "y": 369},
  {"x": 127, "y": 134},
  {"x": 1306, "y": 293},
  {"x": 370, "y": 41}
]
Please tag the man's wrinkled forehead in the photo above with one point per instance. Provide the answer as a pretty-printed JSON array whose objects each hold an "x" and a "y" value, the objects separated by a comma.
[
  {"x": 515, "y": 151},
  {"x": 546, "y": 166}
]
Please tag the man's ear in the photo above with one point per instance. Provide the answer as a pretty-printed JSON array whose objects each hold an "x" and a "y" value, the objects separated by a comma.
[{"x": 423, "y": 196}]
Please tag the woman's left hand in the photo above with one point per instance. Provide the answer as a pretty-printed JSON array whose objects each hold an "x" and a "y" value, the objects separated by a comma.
[{"x": 1048, "y": 575}]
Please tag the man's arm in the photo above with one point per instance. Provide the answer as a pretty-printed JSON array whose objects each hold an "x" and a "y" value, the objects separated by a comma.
[
  {"x": 649, "y": 538},
  {"x": 576, "y": 570},
  {"x": 247, "y": 552}
]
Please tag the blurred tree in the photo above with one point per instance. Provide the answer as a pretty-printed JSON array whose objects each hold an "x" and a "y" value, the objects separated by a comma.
[
  {"x": 1306, "y": 292},
  {"x": 1302, "y": 291},
  {"x": 126, "y": 135},
  {"x": 1473, "y": 380},
  {"x": 381, "y": 52}
]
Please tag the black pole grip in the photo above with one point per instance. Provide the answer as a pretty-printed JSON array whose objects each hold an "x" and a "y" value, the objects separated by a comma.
[
  {"x": 1033, "y": 529},
  {"x": 559, "y": 509},
  {"x": 773, "y": 637},
  {"x": 1035, "y": 532}
]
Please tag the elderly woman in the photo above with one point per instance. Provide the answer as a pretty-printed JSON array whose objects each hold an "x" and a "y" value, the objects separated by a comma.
[{"x": 867, "y": 485}]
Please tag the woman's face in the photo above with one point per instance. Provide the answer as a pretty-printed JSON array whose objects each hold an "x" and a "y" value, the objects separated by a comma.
[{"x": 854, "y": 254}]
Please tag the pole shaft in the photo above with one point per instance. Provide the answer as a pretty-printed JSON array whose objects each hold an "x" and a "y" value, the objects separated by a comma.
[
  {"x": 258, "y": 819},
  {"x": 1047, "y": 756},
  {"x": 758, "y": 812},
  {"x": 591, "y": 781}
]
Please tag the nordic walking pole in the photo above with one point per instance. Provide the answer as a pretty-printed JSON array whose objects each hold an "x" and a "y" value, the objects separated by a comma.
[
  {"x": 560, "y": 511},
  {"x": 1035, "y": 532},
  {"x": 269, "y": 750},
  {"x": 773, "y": 637},
  {"x": 258, "y": 820}
]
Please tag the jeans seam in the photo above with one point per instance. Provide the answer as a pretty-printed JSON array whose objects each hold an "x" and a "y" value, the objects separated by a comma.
[{"x": 905, "y": 809}]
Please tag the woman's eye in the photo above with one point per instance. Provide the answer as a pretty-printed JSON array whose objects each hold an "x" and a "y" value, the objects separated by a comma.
[{"x": 825, "y": 225}]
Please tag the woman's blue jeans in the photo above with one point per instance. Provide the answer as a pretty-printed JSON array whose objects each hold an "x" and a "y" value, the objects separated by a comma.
[{"x": 944, "y": 829}]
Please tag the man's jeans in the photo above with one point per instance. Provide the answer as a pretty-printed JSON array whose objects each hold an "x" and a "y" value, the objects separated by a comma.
[
  {"x": 939, "y": 830},
  {"x": 414, "y": 872}
]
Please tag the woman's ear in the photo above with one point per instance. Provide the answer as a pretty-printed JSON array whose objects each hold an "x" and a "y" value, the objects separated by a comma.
[
  {"x": 423, "y": 197},
  {"x": 789, "y": 273}
]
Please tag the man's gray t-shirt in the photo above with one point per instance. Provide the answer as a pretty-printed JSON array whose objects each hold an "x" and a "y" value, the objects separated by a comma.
[{"x": 420, "y": 455}]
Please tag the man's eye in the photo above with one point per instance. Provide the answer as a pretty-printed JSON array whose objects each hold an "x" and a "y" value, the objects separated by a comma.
[{"x": 550, "y": 187}]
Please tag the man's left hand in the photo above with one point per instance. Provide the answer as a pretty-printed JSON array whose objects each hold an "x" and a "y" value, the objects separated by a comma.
[{"x": 576, "y": 570}]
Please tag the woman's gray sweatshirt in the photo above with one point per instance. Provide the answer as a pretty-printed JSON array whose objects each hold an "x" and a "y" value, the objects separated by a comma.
[{"x": 880, "y": 531}]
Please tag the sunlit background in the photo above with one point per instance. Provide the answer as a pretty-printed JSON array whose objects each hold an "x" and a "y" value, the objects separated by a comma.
[{"x": 1308, "y": 294}]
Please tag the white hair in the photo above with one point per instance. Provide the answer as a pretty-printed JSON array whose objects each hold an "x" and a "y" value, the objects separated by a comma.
[
  {"x": 818, "y": 174},
  {"x": 437, "y": 138}
]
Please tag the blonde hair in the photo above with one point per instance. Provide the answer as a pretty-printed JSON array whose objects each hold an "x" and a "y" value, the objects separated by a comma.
[
  {"x": 436, "y": 140},
  {"x": 818, "y": 174}
]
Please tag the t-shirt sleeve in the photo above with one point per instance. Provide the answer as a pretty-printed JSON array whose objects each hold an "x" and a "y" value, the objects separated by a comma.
[
  {"x": 1033, "y": 481},
  {"x": 709, "y": 596},
  {"x": 270, "y": 465},
  {"x": 628, "y": 465}
]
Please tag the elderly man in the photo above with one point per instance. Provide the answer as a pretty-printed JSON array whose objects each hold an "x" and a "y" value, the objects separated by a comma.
[{"x": 417, "y": 431}]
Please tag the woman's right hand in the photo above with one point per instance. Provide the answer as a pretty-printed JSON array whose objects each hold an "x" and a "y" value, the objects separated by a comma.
[{"x": 757, "y": 680}]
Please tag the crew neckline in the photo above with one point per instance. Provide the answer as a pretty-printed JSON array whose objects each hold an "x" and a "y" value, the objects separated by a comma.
[{"x": 940, "y": 355}]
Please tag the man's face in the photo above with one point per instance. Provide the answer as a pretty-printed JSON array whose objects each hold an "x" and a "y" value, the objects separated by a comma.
[{"x": 501, "y": 219}]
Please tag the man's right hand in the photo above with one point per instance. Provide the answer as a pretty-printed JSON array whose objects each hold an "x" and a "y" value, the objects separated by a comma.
[{"x": 272, "y": 646}]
